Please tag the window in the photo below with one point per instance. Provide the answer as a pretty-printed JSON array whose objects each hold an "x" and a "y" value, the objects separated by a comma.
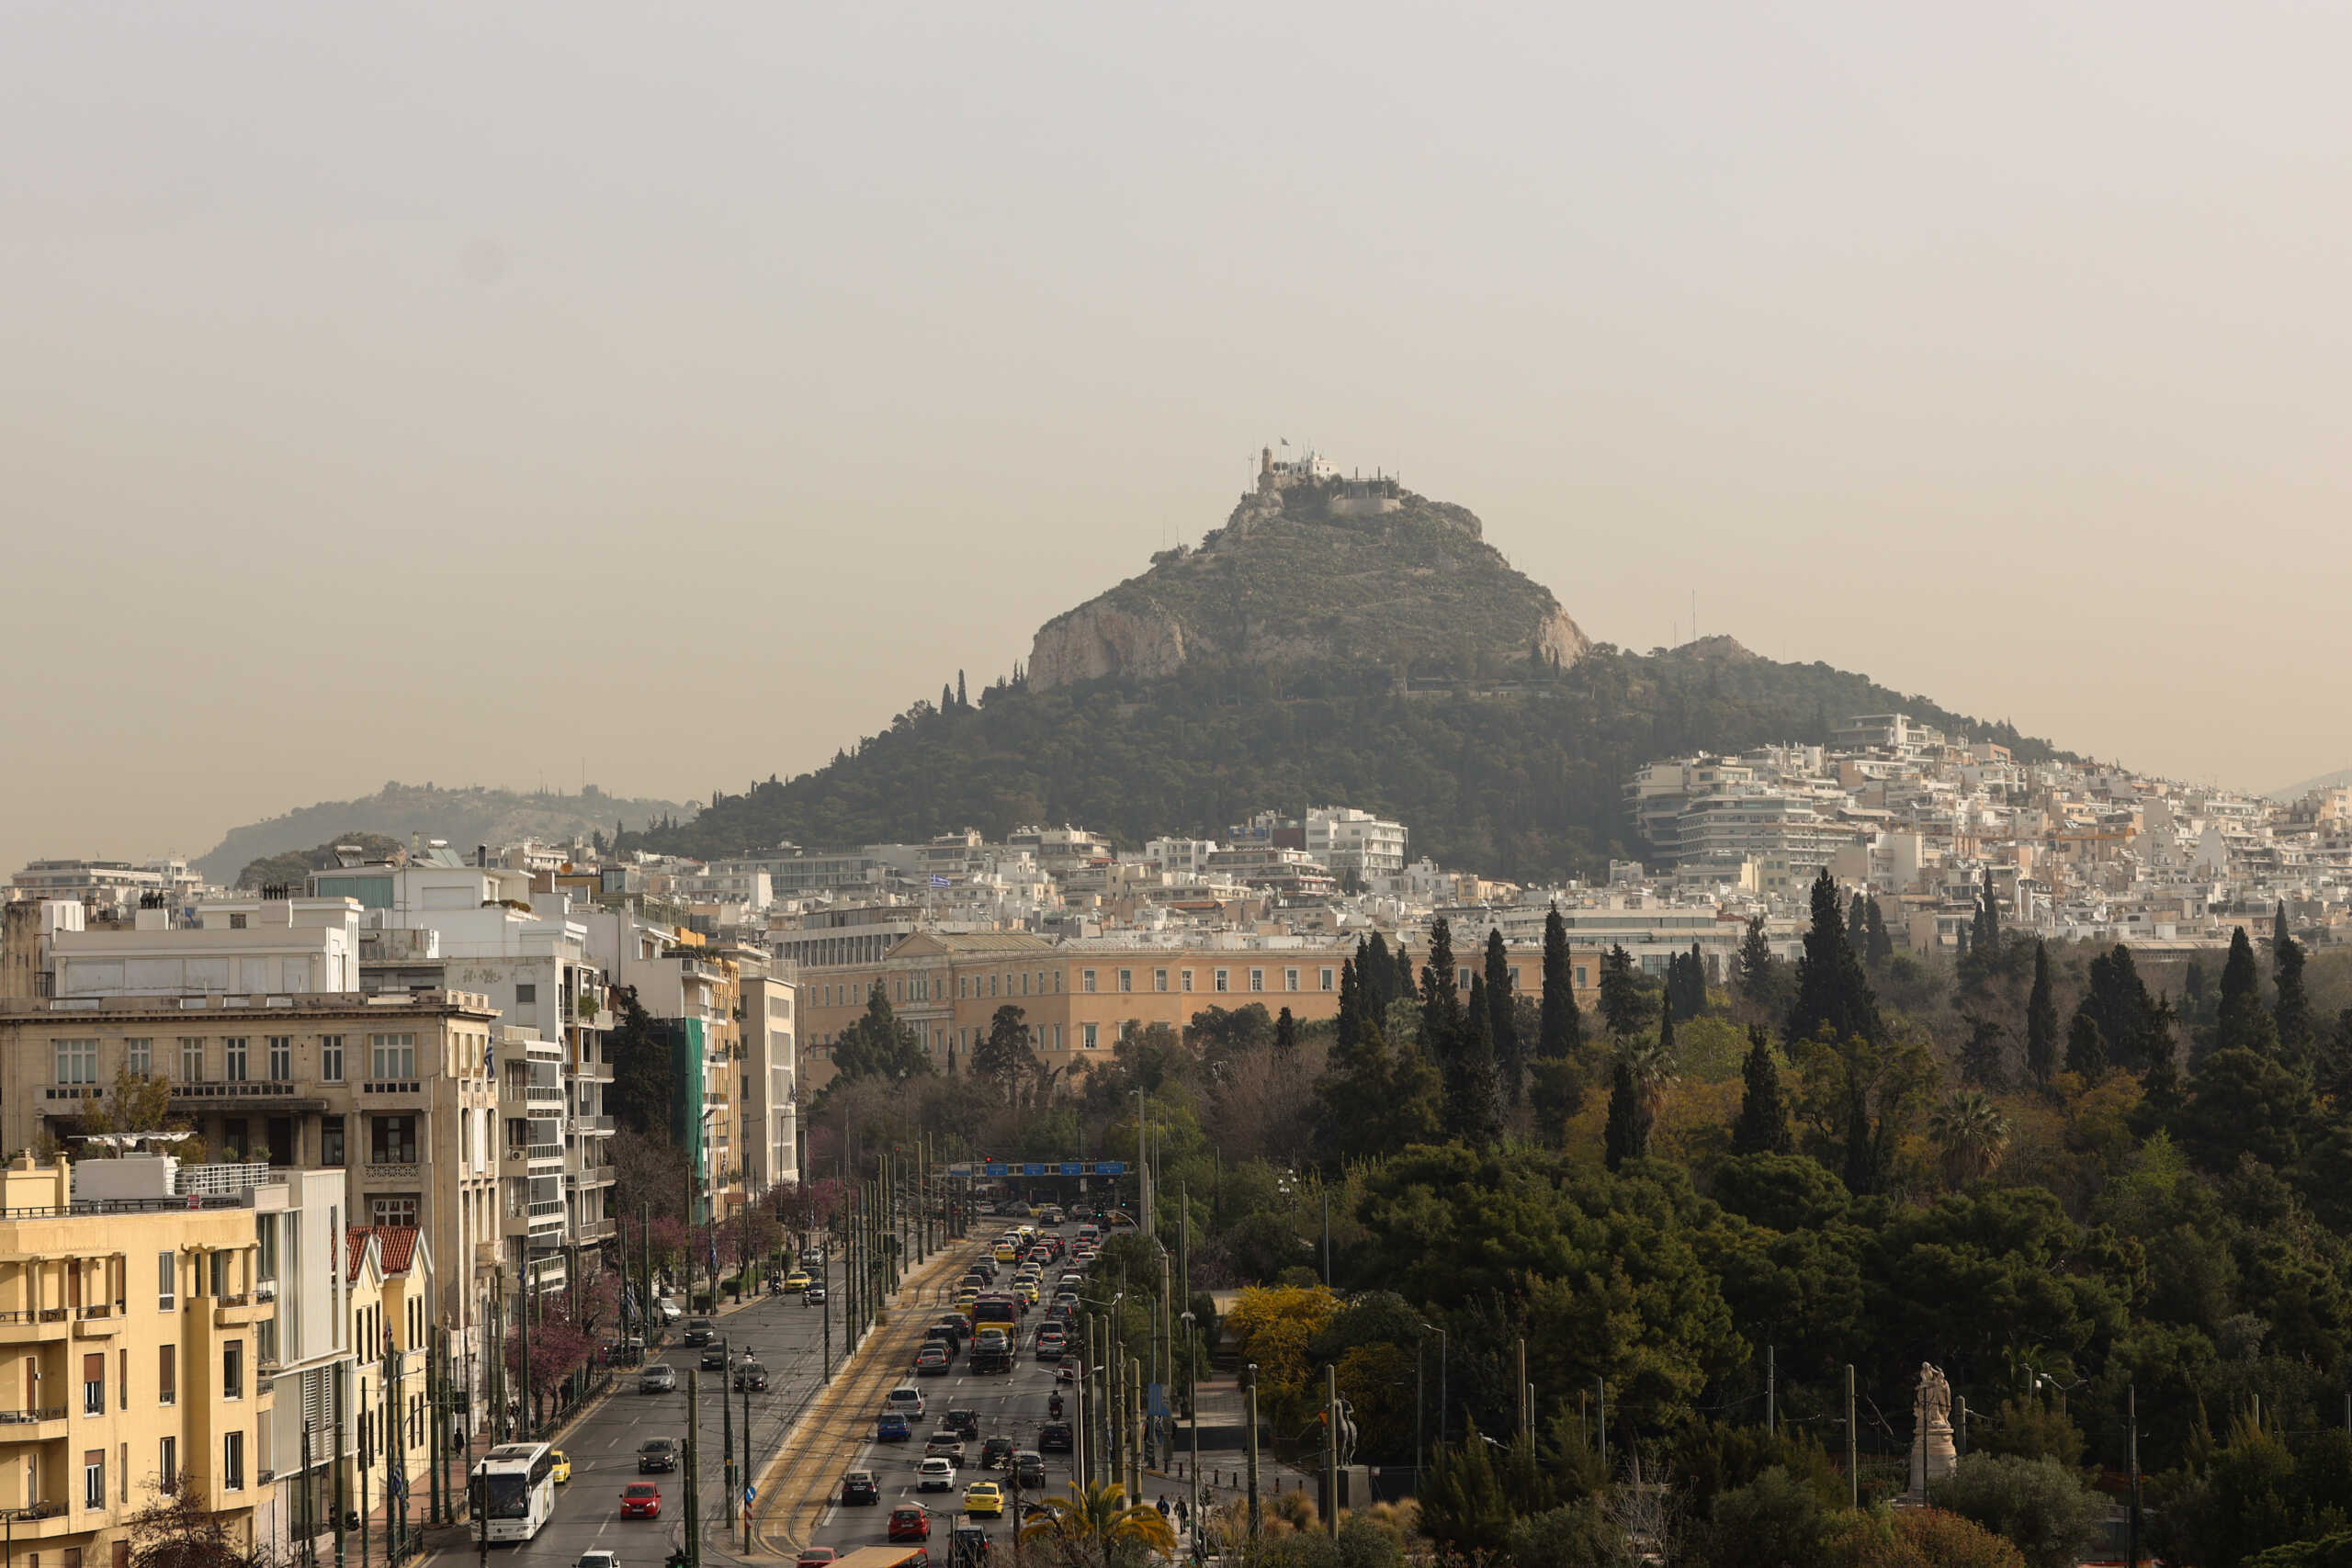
[
  {"x": 991, "y": 985},
  {"x": 1327, "y": 979},
  {"x": 1581, "y": 981},
  {"x": 236, "y": 922},
  {"x": 232, "y": 1057},
  {"x": 77, "y": 1061},
  {"x": 1257, "y": 979},
  {"x": 166, "y": 1279},
  {"x": 1086, "y": 980},
  {"x": 1159, "y": 979},
  {"x": 122, "y": 1379},
  {"x": 1462, "y": 978},
  {"x": 1184, "y": 979},
  {"x": 233, "y": 1368},
  {"x": 1221, "y": 981},
  {"x": 94, "y": 1383},
  {"x": 192, "y": 1060},
  {"x": 93, "y": 1478},
  {"x": 167, "y": 1461},
  {"x": 281, "y": 1058},
  {"x": 167, "y": 1374},
  {"x": 331, "y": 1140},
  {"x": 1086, "y": 1035},
  {"x": 232, "y": 1463},
  {"x": 1290, "y": 979},
  {"x": 526, "y": 996},
  {"x": 1058, "y": 982},
  {"x": 391, "y": 1056},
  {"x": 391, "y": 1140},
  {"x": 139, "y": 1055},
  {"x": 1127, "y": 979},
  {"x": 219, "y": 1262}
]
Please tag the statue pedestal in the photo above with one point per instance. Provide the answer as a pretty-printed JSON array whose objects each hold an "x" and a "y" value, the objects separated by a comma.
[{"x": 1933, "y": 1455}]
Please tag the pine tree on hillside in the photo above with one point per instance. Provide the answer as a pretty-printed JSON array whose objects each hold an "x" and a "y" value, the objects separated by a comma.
[
  {"x": 2041, "y": 1021},
  {"x": 2245, "y": 1025},
  {"x": 1980, "y": 1059},
  {"x": 1763, "y": 1124},
  {"x": 2160, "y": 1091},
  {"x": 1502, "y": 1022},
  {"x": 1756, "y": 964},
  {"x": 2117, "y": 1001}
]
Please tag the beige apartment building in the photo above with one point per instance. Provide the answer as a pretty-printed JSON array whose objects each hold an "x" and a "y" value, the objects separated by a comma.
[
  {"x": 1078, "y": 998},
  {"x": 130, "y": 1323},
  {"x": 398, "y": 1091}
]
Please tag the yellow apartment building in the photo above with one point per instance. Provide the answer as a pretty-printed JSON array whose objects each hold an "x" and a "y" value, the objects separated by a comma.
[{"x": 130, "y": 1318}]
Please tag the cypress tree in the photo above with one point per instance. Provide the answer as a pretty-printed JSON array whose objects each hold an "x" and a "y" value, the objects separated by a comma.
[
  {"x": 2086, "y": 1051},
  {"x": 1502, "y": 1023},
  {"x": 1624, "y": 1004},
  {"x": 946, "y": 700},
  {"x": 1880, "y": 946},
  {"x": 1980, "y": 1059},
  {"x": 961, "y": 701},
  {"x": 1763, "y": 1124},
  {"x": 1562, "y": 1031},
  {"x": 1440, "y": 994},
  {"x": 2244, "y": 1024},
  {"x": 1834, "y": 997},
  {"x": 2161, "y": 1089},
  {"x": 1347, "y": 1030},
  {"x": 2041, "y": 1021},
  {"x": 2292, "y": 1016},
  {"x": 1858, "y": 927},
  {"x": 1286, "y": 1031},
  {"x": 2117, "y": 1001},
  {"x": 1472, "y": 1112},
  {"x": 1756, "y": 964},
  {"x": 1375, "y": 974},
  {"x": 1991, "y": 939},
  {"x": 1864, "y": 1171},
  {"x": 1401, "y": 989},
  {"x": 1627, "y": 1137}
]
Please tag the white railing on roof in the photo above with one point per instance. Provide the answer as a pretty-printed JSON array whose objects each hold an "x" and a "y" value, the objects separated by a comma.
[{"x": 219, "y": 1179}]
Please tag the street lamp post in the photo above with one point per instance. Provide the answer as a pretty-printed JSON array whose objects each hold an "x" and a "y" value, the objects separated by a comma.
[
  {"x": 1193, "y": 1410},
  {"x": 1432, "y": 1328}
]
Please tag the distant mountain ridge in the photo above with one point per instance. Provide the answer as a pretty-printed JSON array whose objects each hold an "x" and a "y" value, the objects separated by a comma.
[
  {"x": 2335, "y": 780},
  {"x": 465, "y": 816}
]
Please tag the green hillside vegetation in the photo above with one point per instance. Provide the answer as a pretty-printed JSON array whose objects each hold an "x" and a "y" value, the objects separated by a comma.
[
  {"x": 1517, "y": 775},
  {"x": 464, "y": 817},
  {"x": 293, "y": 866}
]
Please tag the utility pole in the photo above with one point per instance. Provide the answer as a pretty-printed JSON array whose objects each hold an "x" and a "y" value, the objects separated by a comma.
[
  {"x": 1082, "y": 1440},
  {"x": 1142, "y": 1170},
  {"x": 1521, "y": 1401},
  {"x": 523, "y": 1364},
  {"x": 727, "y": 1432},
  {"x": 341, "y": 1503},
  {"x": 1330, "y": 1448},
  {"x": 1327, "y": 1238},
  {"x": 1192, "y": 1412},
  {"x": 2132, "y": 1420},
  {"x": 693, "y": 1511},
  {"x": 1249, "y": 1414},
  {"x": 1420, "y": 1402},
  {"x": 1600, "y": 1415},
  {"x": 1853, "y": 1471},
  {"x": 746, "y": 1470},
  {"x": 1771, "y": 1381},
  {"x": 1134, "y": 1418}
]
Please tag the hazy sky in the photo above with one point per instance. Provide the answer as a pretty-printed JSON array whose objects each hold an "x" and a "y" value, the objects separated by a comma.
[{"x": 478, "y": 393}]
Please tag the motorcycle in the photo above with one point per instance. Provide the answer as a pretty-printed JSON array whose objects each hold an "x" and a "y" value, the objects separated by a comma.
[{"x": 1054, "y": 1408}]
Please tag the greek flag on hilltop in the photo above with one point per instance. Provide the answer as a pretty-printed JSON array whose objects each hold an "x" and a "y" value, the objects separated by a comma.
[{"x": 937, "y": 880}]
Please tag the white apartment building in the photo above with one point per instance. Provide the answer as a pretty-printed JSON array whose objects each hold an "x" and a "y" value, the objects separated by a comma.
[{"x": 1347, "y": 840}]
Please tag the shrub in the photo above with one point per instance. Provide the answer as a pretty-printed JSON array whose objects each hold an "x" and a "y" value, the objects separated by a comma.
[
  {"x": 2038, "y": 1504},
  {"x": 1774, "y": 1521}
]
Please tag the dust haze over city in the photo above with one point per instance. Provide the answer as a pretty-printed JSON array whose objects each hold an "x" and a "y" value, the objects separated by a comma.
[{"x": 426, "y": 393}]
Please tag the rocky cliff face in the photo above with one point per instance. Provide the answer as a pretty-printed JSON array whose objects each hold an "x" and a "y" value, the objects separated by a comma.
[{"x": 1297, "y": 577}]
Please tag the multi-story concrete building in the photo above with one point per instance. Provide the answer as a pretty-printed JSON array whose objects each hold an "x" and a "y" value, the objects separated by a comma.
[
  {"x": 768, "y": 1088},
  {"x": 1348, "y": 840},
  {"x": 133, "y": 1306}
]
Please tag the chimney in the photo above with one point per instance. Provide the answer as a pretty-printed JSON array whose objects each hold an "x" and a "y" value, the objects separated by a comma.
[{"x": 481, "y": 856}]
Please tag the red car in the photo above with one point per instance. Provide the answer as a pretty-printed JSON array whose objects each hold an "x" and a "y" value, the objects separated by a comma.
[
  {"x": 816, "y": 1557},
  {"x": 640, "y": 1500},
  {"x": 909, "y": 1523}
]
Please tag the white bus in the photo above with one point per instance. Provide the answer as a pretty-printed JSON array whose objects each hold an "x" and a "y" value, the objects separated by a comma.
[{"x": 517, "y": 1480}]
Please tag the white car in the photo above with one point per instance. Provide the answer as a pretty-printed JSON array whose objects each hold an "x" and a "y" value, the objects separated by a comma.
[
  {"x": 936, "y": 1474},
  {"x": 905, "y": 1400},
  {"x": 670, "y": 1309},
  {"x": 597, "y": 1560}
]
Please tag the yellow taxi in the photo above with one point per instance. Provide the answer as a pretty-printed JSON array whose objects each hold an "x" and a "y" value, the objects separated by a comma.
[
  {"x": 1027, "y": 1291},
  {"x": 563, "y": 1461},
  {"x": 965, "y": 1300},
  {"x": 797, "y": 1281},
  {"x": 984, "y": 1500},
  {"x": 1005, "y": 1253}
]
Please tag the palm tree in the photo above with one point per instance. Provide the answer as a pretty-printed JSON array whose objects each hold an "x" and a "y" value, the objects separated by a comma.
[
  {"x": 1650, "y": 1062},
  {"x": 1971, "y": 1134},
  {"x": 1098, "y": 1519}
]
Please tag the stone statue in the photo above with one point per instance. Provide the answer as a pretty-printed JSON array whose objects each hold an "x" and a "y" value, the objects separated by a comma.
[{"x": 1933, "y": 1455}]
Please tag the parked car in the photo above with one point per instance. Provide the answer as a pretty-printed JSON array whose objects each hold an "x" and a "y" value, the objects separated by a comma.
[
  {"x": 859, "y": 1487},
  {"x": 656, "y": 1454},
  {"x": 640, "y": 1500},
  {"x": 658, "y": 1378},
  {"x": 935, "y": 1475},
  {"x": 909, "y": 1523}
]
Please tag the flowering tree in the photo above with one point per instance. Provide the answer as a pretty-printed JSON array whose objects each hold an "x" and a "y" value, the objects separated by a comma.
[{"x": 559, "y": 1347}]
